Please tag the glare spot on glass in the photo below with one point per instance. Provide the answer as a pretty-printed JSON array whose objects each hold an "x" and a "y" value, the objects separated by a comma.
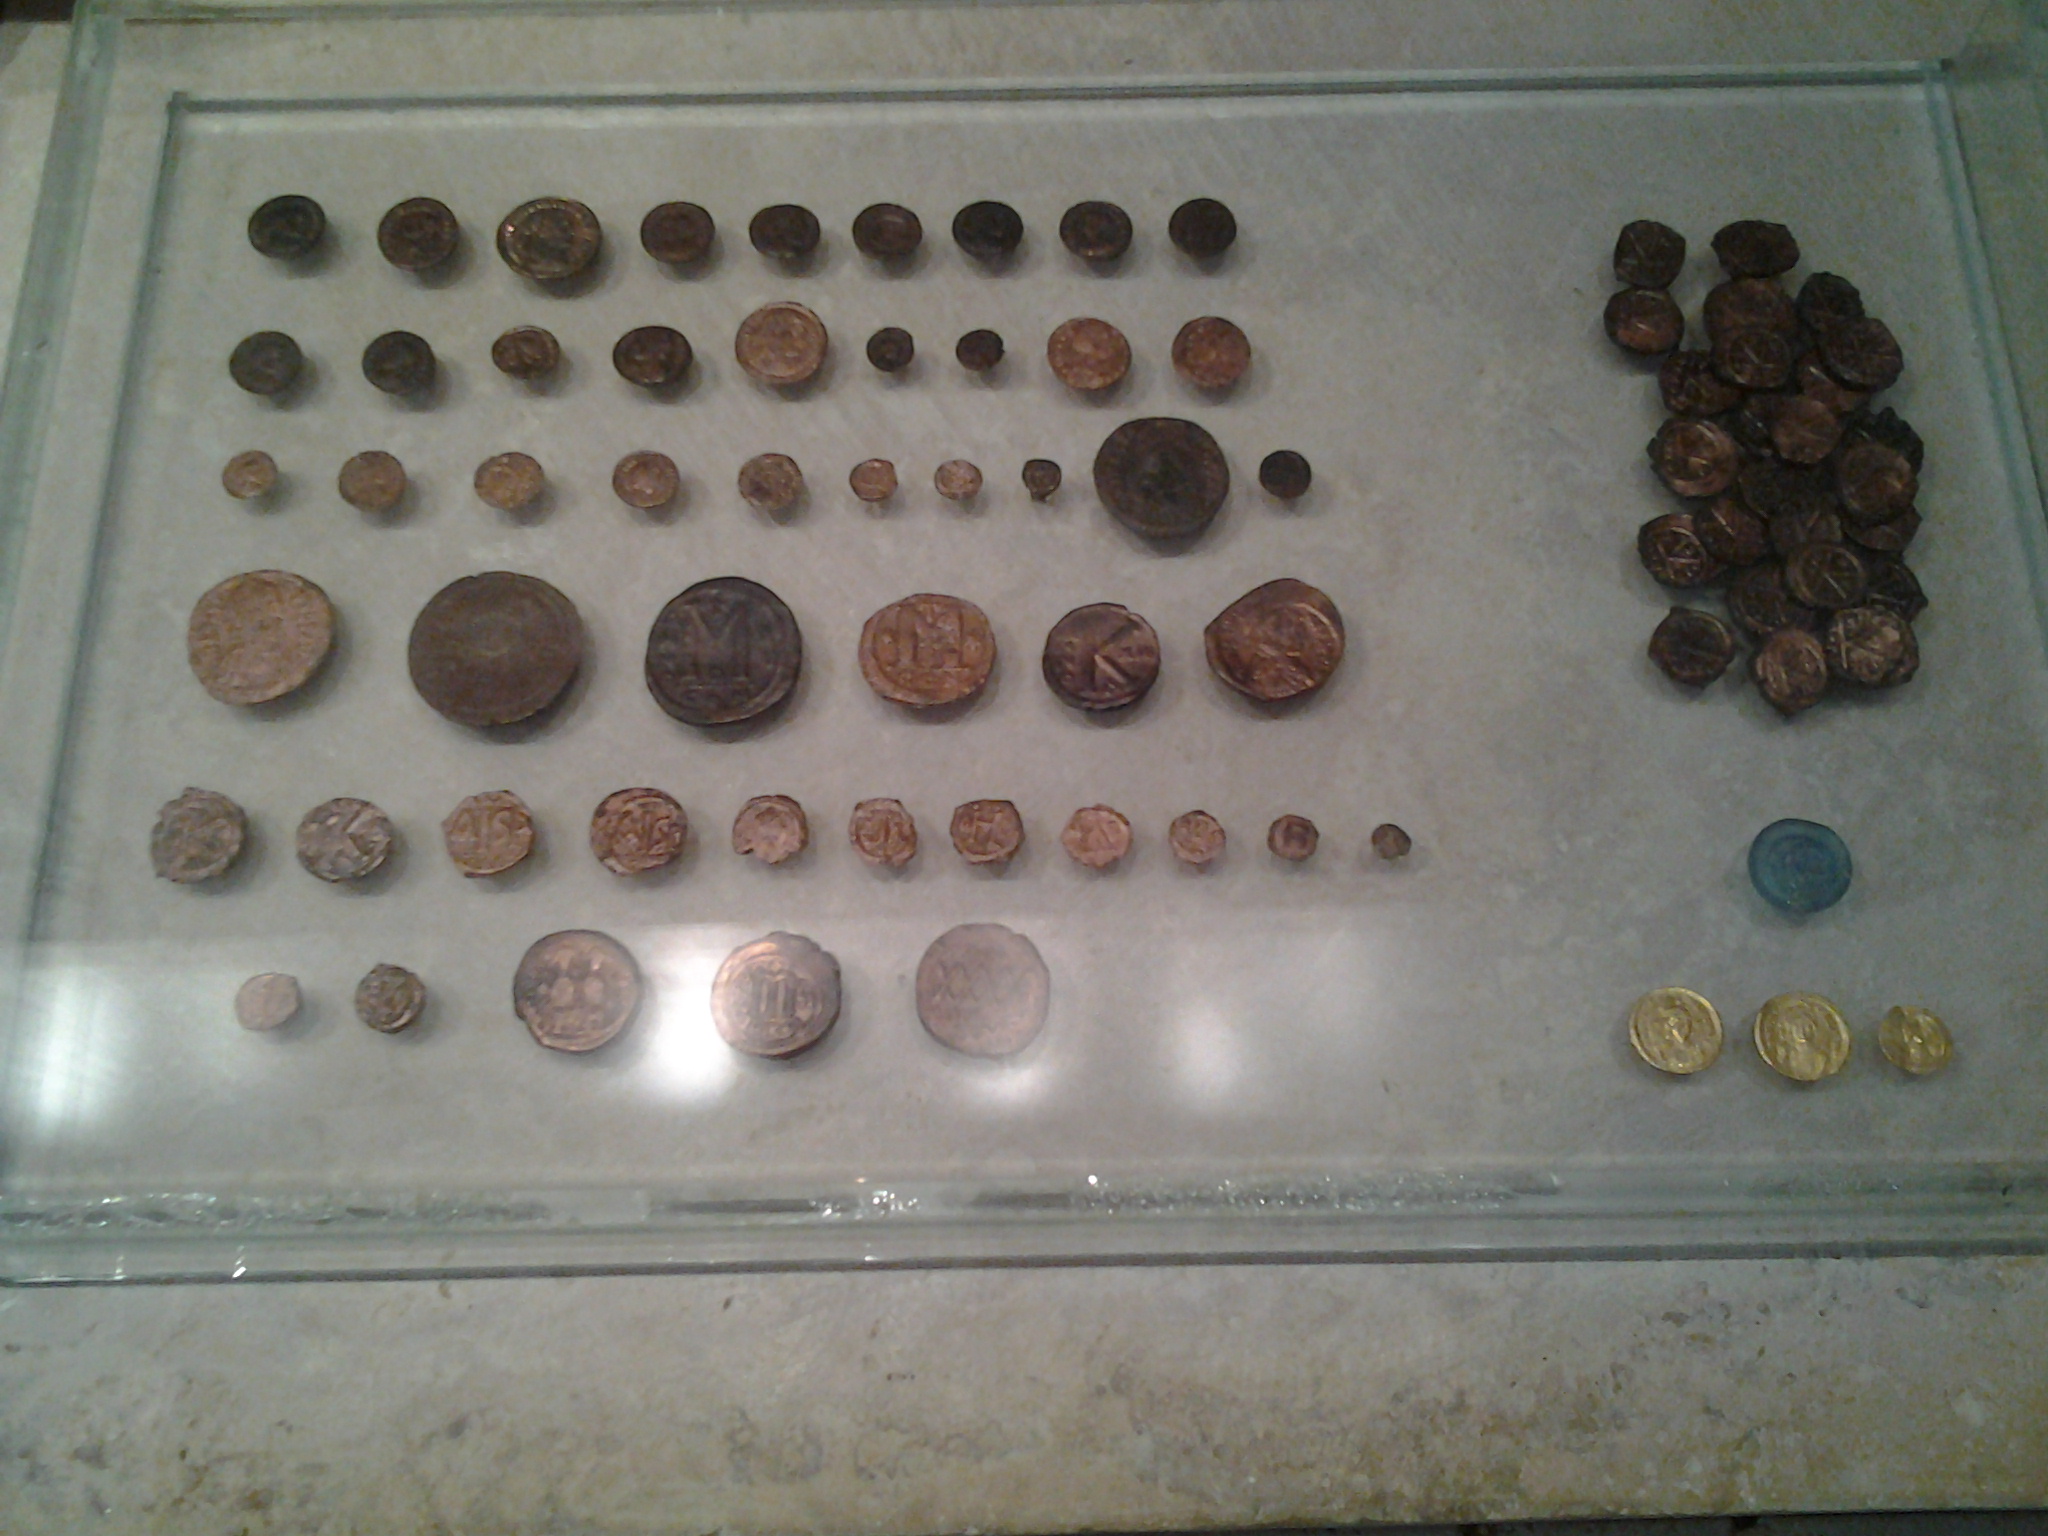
[
  {"x": 75, "y": 1018},
  {"x": 1000, "y": 1082},
  {"x": 1208, "y": 1056},
  {"x": 686, "y": 1059}
]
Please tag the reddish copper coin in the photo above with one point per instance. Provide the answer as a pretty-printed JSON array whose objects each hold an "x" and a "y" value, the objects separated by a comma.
[
  {"x": 1211, "y": 352},
  {"x": 776, "y": 996},
  {"x": 249, "y": 475},
  {"x": 957, "y": 480},
  {"x": 1088, "y": 354},
  {"x": 526, "y": 352},
  {"x": 1805, "y": 430},
  {"x": 510, "y": 481},
  {"x": 646, "y": 479},
  {"x": 1101, "y": 656},
  {"x": 1671, "y": 551},
  {"x": 1644, "y": 320},
  {"x": 1692, "y": 647},
  {"x": 1196, "y": 838},
  {"x": 987, "y": 831},
  {"x": 883, "y": 833},
  {"x": 1791, "y": 670},
  {"x": 1876, "y": 483},
  {"x": 373, "y": 481},
  {"x": 873, "y": 480},
  {"x": 1753, "y": 358},
  {"x": 1732, "y": 534},
  {"x": 771, "y": 482},
  {"x": 927, "y": 649},
  {"x": 633, "y": 831},
  {"x": 772, "y": 828},
  {"x": 1096, "y": 836},
  {"x": 1292, "y": 838},
  {"x": 1279, "y": 641},
  {"x": 1694, "y": 458}
]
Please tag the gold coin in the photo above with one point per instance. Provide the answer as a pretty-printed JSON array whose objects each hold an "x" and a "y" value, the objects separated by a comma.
[
  {"x": 1802, "y": 1035},
  {"x": 1914, "y": 1040},
  {"x": 1675, "y": 1030}
]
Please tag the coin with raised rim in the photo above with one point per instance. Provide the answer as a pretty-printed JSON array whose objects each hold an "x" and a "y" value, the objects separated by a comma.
[
  {"x": 488, "y": 833},
  {"x": 633, "y": 831},
  {"x": 1803, "y": 1036},
  {"x": 1088, "y": 354},
  {"x": 775, "y": 996},
  {"x": 389, "y": 998},
  {"x": 1914, "y": 1040},
  {"x": 887, "y": 231},
  {"x": 344, "y": 839},
  {"x": 1096, "y": 836},
  {"x": 1211, "y": 352},
  {"x": 983, "y": 990},
  {"x": 646, "y": 479},
  {"x": 288, "y": 227},
  {"x": 259, "y": 636},
  {"x": 417, "y": 234},
  {"x": 249, "y": 474},
  {"x": 927, "y": 649},
  {"x": 1101, "y": 656},
  {"x": 494, "y": 648},
  {"x": 773, "y": 828},
  {"x": 1675, "y": 1030},
  {"x": 723, "y": 651},
  {"x": 197, "y": 836},
  {"x": 526, "y": 352},
  {"x": 1279, "y": 641},
  {"x": 549, "y": 239},
  {"x": 1162, "y": 477},
  {"x": 268, "y": 1001},
  {"x": 575, "y": 990},
  {"x": 510, "y": 481},
  {"x": 1096, "y": 231},
  {"x": 1293, "y": 838},
  {"x": 883, "y": 833},
  {"x": 266, "y": 363},
  {"x": 1648, "y": 254}
]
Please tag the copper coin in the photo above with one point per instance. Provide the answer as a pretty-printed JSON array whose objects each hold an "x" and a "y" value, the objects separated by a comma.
[
  {"x": 1648, "y": 254},
  {"x": 1804, "y": 430},
  {"x": 267, "y": 363},
  {"x": 266, "y": 1002},
  {"x": 988, "y": 231},
  {"x": 784, "y": 230},
  {"x": 891, "y": 349},
  {"x": 1096, "y": 231},
  {"x": 1644, "y": 320},
  {"x": 1390, "y": 842},
  {"x": 987, "y": 831},
  {"x": 1872, "y": 646},
  {"x": 510, "y": 481},
  {"x": 494, "y": 648},
  {"x": 873, "y": 480},
  {"x": 389, "y": 998},
  {"x": 983, "y": 990},
  {"x": 1750, "y": 422},
  {"x": 576, "y": 989},
  {"x": 722, "y": 651},
  {"x": 526, "y": 352},
  {"x": 1292, "y": 838},
  {"x": 197, "y": 836},
  {"x": 1101, "y": 656},
  {"x": 286, "y": 228},
  {"x": 887, "y": 231},
  {"x": 1196, "y": 838},
  {"x": 1889, "y": 538},
  {"x": 1286, "y": 474},
  {"x": 1096, "y": 836},
  {"x": 1694, "y": 458},
  {"x": 1692, "y": 647},
  {"x": 1690, "y": 387},
  {"x": 1862, "y": 354},
  {"x": 258, "y": 636},
  {"x": 773, "y": 828},
  {"x": 1888, "y": 428},
  {"x": 1671, "y": 551},
  {"x": 1749, "y": 301},
  {"x": 1753, "y": 358},
  {"x": 771, "y": 482},
  {"x": 775, "y": 996},
  {"x": 1759, "y": 603},
  {"x": 1041, "y": 478},
  {"x": 1811, "y": 378},
  {"x": 1791, "y": 670},
  {"x": 249, "y": 474},
  {"x": 883, "y": 833},
  {"x": 1161, "y": 477},
  {"x": 1278, "y": 641},
  {"x": 1732, "y": 534},
  {"x": 1792, "y": 531},
  {"x": 646, "y": 479},
  {"x": 1088, "y": 354},
  {"x": 344, "y": 839},
  {"x": 781, "y": 344},
  {"x": 957, "y": 480},
  {"x": 1894, "y": 586},
  {"x": 1778, "y": 490},
  {"x": 979, "y": 351},
  {"x": 549, "y": 239},
  {"x": 1203, "y": 228},
  {"x": 633, "y": 831},
  {"x": 656, "y": 356},
  {"x": 677, "y": 233},
  {"x": 417, "y": 234},
  {"x": 1756, "y": 248},
  {"x": 1826, "y": 576},
  {"x": 399, "y": 363},
  {"x": 1825, "y": 299},
  {"x": 489, "y": 833},
  {"x": 1211, "y": 352},
  {"x": 1876, "y": 483},
  {"x": 372, "y": 481},
  {"x": 927, "y": 649}
]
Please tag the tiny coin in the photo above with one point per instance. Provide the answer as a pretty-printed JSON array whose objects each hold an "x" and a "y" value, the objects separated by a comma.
[
  {"x": 1203, "y": 228},
  {"x": 1390, "y": 842},
  {"x": 1826, "y": 576},
  {"x": 1872, "y": 646},
  {"x": 549, "y": 239},
  {"x": 1096, "y": 836},
  {"x": 488, "y": 833},
  {"x": 1211, "y": 352},
  {"x": 1672, "y": 552},
  {"x": 987, "y": 831},
  {"x": 633, "y": 831},
  {"x": 1791, "y": 670},
  {"x": 399, "y": 363},
  {"x": 510, "y": 481},
  {"x": 1876, "y": 483},
  {"x": 1692, "y": 647},
  {"x": 1752, "y": 357},
  {"x": 1804, "y": 430},
  {"x": 1644, "y": 320},
  {"x": 1101, "y": 656},
  {"x": 1732, "y": 534},
  {"x": 1285, "y": 473},
  {"x": 1747, "y": 301},
  {"x": 781, "y": 344},
  {"x": 1196, "y": 838},
  {"x": 1690, "y": 387},
  {"x": 269, "y": 1001},
  {"x": 1088, "y": 354},
  {"x": 723, "y": 650},
  {"x": 1825, "y": 298},
  {"x": 775, "y": 996},
  {"x": 1162, "y": 477},
  {"x": 957, "y": 480},
  {"x": 887, "y": 231},
  {"x": 1279, "y": 641},
  {"x": 417, "y": 234},
  {"x": 389, "y": 998},
  {"x": 1914, "y": 1040},
  {"x": 197, "y": 836},
  {"x": 1675, "y": 1031},
  {"x": 344, "y": 839},
  {"x": 576, "y": 989},
  {"x": 1292, "y": 838},
  {"x": 372, "y": 481},
  {"x": 494, "y": 648},
  {"x": 1648, "y": 254},
  {"x": 1694, "y": 458},
  {"x": 678, "y": 234},
  {"x": 979, "y": 351},
  {"x": 983, "y": 990},
  {"x": 1041, "y": 478},
  {"x": 259, "y": 636},
  {"x": 267, "y": 363},
  {"x": 1096, "y": 231},
  {"x": 784, "y": 230},
  {"x": 646, "y": 479},
  {"x": 1800, "y": 866},
  {"x": 526, "y": 352},
  {"x": 1803, "y": 1036},
  {"x": 772, "y": 828},
  {"x": 988, "y": 231},
  {"x": 771, "y": 482},
  {"x": 927, "y": 649},
  {"x": 287, "y": 227},
  {"x": 873, "y": 480},
  {"x": 654, "y": 356},
  {"x": 883, "y": 833},
  {"x": 249, "y": 474},
  {"x": 1756, "y": 248},
  {"x": 1862, "y": 354},
  {"x": 891, "y": 349}
]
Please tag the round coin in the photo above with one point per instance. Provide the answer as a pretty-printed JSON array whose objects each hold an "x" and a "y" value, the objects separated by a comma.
[
  {"x": 1279, "y": 641},
  {"x": 1826, "y": 576},
  {"x": 633, "y": 831},
  {"x": 1791, "y": 670},
  {"x": 887, "y": 231},
  {"x": 987, "y": 831},
  {"x": 1675, "y": 1031},
  {"x": 1671, "y": 551},
  {"x": 678, "y": 234},
  {"x": 1041, "y": 478},
  {"x": 1732, "y": 534},
  {"x": 249, "y": 474},
  {"x": 979, "y": 351},
  {"x": 1096, "y": 836},
  {"x": 259, "y": 636},
  {"x": 1285, "y": 473},
  {"x": 1803, "y": 1036},
  {"x": 1088, "y": 354},
  {"x": 1894, "y": 586},
  {"x": 873, "y": 480},
  {"x": 1812, "y": 379},
  {"x": 576, "y": 989},
  {"x": 1914, "y": 1040},
  {"x": 646, "y": 479},
  {"x": 773, "y": 828},
  {"x": 784, "y": 230},
  {"x": 1875, "y": 483},
  {"x": 771, "y": 483},
  {"x": 510, "y": 481},
  {"x": 653, "y": 356},
  {"x": 1753, "y": 358},
  {"x": 1825, "y": 298},
  {"x": 1196, "y": 838},
  {"x": 1648, "y": 254},
  {"x": 389, "y": 998},
  {"x": 197, "y": 836},
  {"x": 526, "y": 352},
  {"x": 781, "y": 344},
  {"x": 372, "y": 481},
  {"x": 722, "y": 651},
  {"x": 267, "y": 363},
  {"x": 489, "y": 833},
  {"x": 1872, "y": 647},
  {"x": 927, "y": 649},
  {"x": 1692, "y": 647},
  {"x": 1800, "y": 866},
  {"x": 957, "y": 480},
  {"x": 1690, "y": 387},
  {"x": 1211, "y": 352},
  {"x": 494, "y": 648},
  {"x": 1694, "y": 458},
  {"x": 1804, "y": 430},
  {"x": 286, "y": 228},
  {"x": 1096, "y": 231},
  {"x": 988, "y": 231},
  {"x": 891, "y": 349},
  {"x": 1292, "y": 838},
  {"x": 399, "y": 363},
  {"x": 775, "y": 996},
  {"x": 1756, "y": 248},
  {"x": 983, "y": 990},
  {"x": 549, "y": 239},
  {"x": 266, "y": 1002},
  {"x": 1101, "y": 656},
  {"x": 1390, "y": 842},
  {"x": 1161, "y": 477},
  {"x": 1647, "y": 321},
  {"x": 417, "y": 234},
  {"x": 344, "y": 839},
  {"x": 1203, "y": 228},
  {"x": 883, "y": 833},
  {"x": 1862, "y": 354}
]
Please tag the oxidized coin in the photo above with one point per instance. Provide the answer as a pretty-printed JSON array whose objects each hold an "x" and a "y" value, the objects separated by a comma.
[
  {"x": 576, "y": 989},
  {"x": 775, "y": 996},
  {"x": 773, "y": 828},
  {"x": 979, "y": 351},
  {"x": 389, "y": 998},
  {"x": 1644, "y": 320},
  {"x": 266, "y": 363},
  {"x": 1748, "y": 301},
  {"x": 1792, "y": 531},
  {"x": 549, "y": 239},
  {"x": 633, "y": 831},
  {"x": 1690, "y": 387},
  {"x": 1753, "y": 358},
  {"x": 987, "y": 831},
  {"x": 257, "y": 636},
  {"x": 883, "y": 832},
  {"x": 677, "y": 233},
  {"x": 1826, "y": 576},
  {"x": 1101, "y": 656},
  {"x": 771, "y": 482},
  {"x": 1648, "y": 254},
  {"x": 873, "y": 480},
  {"x": 1203, "y": 228},
  {"x": 417, "y": 234},
  {"x": 372, "y": 481},
  {"x": 489, "y": 833},
  {"x": 1675, "y": 1030},
  {"x": 197, "y": 836},
  {"x": 1161, "y": 477},
  {"x": 656, "y": 356},
  {"x": 1211, "y": 352},
  {"x": 1825, "y": 299},
  {"x": 1875, "y": 483},
  {"x": 781, "y": 344},
  {"x": 1390, "y": 842},
  {"x": 1196, "y": 838},
  {"x": 1889, "y": 428},
  {"x": 1872, "y": 646},
  {"x": 1863, "y": 354},
  {"x": 1694, "y": 458},
  {"x": 1914, "y": 1040},
  {"x": 1812, "y": 379},
  {"x": 399, "y": 363},
  {"x": 1096, "y": 836},
  {"x": 1893, "y": 585},
  {"x": 1791, "y": 670},
  {"x": 721, "y": 651},
  {"x": 957, "y": 480},
  {"x": 1278, "y": 641},
  {"x": 891, "y": 349},
  {"x": 887, "y": 231},
  {"x": 988, "y": 231},
  {"x": 1731, "y": 533},
  {"x": 287, "y": 227},
  {"x": 1292, "y": 838},
  {"x": 494, "y": 648},
  {"x": 510, "y": 481},
  {"x": 1088, "y": 354},
  {"x": 646, "y": 479},
  {"x": 1888, "y": 538},
  {"x": 1692, "y": 647},
  {"x": 526, "y": 352},
  {"x": 1756, "y": 248},
  {"x": 784, "y": 230},
  {"x": 1804, "y": 430},
  {"x": 983, "y": 990},
  {"x": 249, "y": 474},
  {"x": 1671, "y": 551},
  {"x": 266, "y": 1002},
  {"x": 1096, "y": 231},
  {"x": 1285, "y": 473},
  {"x": 1041, "y": 478},
  {"x": 344, "y": 839},
  {"x": 927, "y": 649},
  {"x": 1803, "y": 1036}
]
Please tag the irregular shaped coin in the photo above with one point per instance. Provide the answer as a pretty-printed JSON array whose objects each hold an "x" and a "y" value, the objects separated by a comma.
[
  {"x": 987, "y": 831},
  {"x": 489, "y": 833},
  {"x": 883, "y": 833},
  {"x": 344, "y": 839},
  {"x": 1196, "y": 838},
  {"x": 1692, "y": 647},
  {"x": 1041, "y": 478},
  {"x": 1161, "y": 477},
  {"x": 389, "y": 998},
  {"x": 526, "y": 352},
  {"x": 1675, "y": 1030},
  {"x": 782, "y": 344},
  {"x": 927, "y": 649},
  {"x": 1914, "y": 1040},
  {"x": 775, "y": 996},
  {"x": 771, "y": 482},
  {"x": 773, "y": 828},
  {"x": 1791, "y": 670},
  {"x": 1096, "y": 231},
  {"x": 633, "y": 831},
  {"x": 1279, "y": 641},
  {"x": 1096, "y": 836},
  {"x": 1390, "y": 842},
  {"x": 1648, "y": 254},
  {"x": 723, "y": 651},
  {"x": 266, "y": 1002},
  {"x": 197, "y": 836},
  {"x": 1803, "y": 1036},
  {"x": 957, "y": 480},
  {"x": 258, "y": 636},
  {"x": 1101, "y": 656},
  {"x": 494, "y": 648},
  {"x": 575, "y": 990},
  {"x": 983, "y": 990},
  {"x": 1871, "y": 646},
  {"x": 549, "y": 239}
]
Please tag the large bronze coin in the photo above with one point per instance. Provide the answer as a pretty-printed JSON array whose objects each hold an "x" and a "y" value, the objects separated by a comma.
[
  {"x": 775, "y": 996},
  {"x": 1278, "y": 641},
  {"x": 549, "y": 238},
  {"x": 258, "y": 636},
  {"x": 494, "y": 648},
  {"x": 723, "y": 651},
  {"x": 1161, "y": 477},
  {"x": 1102, "y": 656},
  {"x": 983, "y": 990},
  {"x": 927, "y": 649},
  {"x": 576, "y": 989}
]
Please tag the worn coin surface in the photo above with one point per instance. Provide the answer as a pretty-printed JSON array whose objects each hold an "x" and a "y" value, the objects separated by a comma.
[
  {"x": 1692, "y": 647},
  {"x": 258, "y": 636},
  {"x": 1644, "y": 320},
  {"x": 1825, "y": 298},
  {"x": 1862, "y": 354},
  {"x": 1648, "y": 254},
  {"x": 1914, "y": 1040},
  {"x": 1279, "y": 641},
  {"x": 197, "y": 836},
  {"x": 873, "y": 480},
  {"x": 1876, "y": 483},
  {"x": 1101, "y": 656},
  {"x": 646, "y": 479},
  {"x": 1096, "y": 231},
  {"x": 266, "y": 363},
  {"x": 1041, "y": 478},
  {"x": 927, "y": 649},
  {"x": 576, "y": 989},
  {"x": 1793, "y": 531},
  {"x": 1390, "y": 842},
  {"x": 1800, "y": 866},
  {"x": 979, "y": 351},
  {"x": 773, "y": 828},
  {"x": 1753, "y": 358},
  {"x": 1675, "y": 1030},
  {"x": 1749, "y": 301},
  {"x": 787, "y": 231},
  {"x": 633, "y": 831},
  {"x": 1756, "y": 248},
  {"x": 1812, "y": 379},
  {"x": 1286, "y": 474},
  {"x": 494, "y": 648},
  {"x": 1894, "y": 586},
  {"x": 1211, "y": 352},
  {"x": 287, "y": 227},
  {"x": 488, "y": 833},
  {"x": 1096, "y": 836},
  {"x": 1871, "y": 646},
  {"x": 249, "y": 474},
  {"x": 1292, "y": 837},
  {"x": 372, "y": 481},
  {"x": 344, "y": 839},
  {"x": 771, "y": 482},
  {"x": 1162, "y": 477},
  {"x": 988, "y": 231},
  {"x": 417, "y": 234},
  {"x": 1791, "y": 670},
  {"x": 883, "y": 833},
  {"x": 389, "y": 998},
  {"x": 983, "y": 990},
  {"x": 549, "y": 239},
  {"x": 1826, "y": 576},
  {"x": 1885, "y": 538},
  {"x": 269, "y": 1001},
  {"x": 782, "y": 343},
  {"x": 887, "y": 231},
  {"x": 1088, "y": 354},
  {"x": 1196, "y": 838},
  {"x": 1805, "y": 430},
  {"x": 1803, "y": 1036},
  {"x": 1690, "y": 387},
  {"x": 957, "y": 480},
  {"x": 724, "y": 650},
  {"x": 654, "y": 356},
  {"x": 987, "y": 831},
  {"x": 678, "y": 234},
  {"x": 510, "y": 481},
  {"x": 891, "y": 349},
  {"x": 1732, "y": 534},
  {"x": 1694, "y": 458},
  {"x": 775, "y": 996},
  {"x": 400, "y": 363},
  {"x": 1203, "y": 228},
  {"x": 1672, "y": 552},
  {"x": 526, "y": 352}
]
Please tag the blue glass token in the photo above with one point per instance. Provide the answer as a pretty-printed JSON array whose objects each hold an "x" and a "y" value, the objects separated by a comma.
[{"x": 1799, "y": 866}]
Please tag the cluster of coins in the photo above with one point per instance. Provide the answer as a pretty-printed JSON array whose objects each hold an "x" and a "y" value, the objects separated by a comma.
[
  {"x": 1801, "y": 1035},
  {"x": 1800, "y": 496}
]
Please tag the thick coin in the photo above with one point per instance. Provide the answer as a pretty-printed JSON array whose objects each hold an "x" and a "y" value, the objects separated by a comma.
[
  {"x": 1749, "y": 301},
  {"x": 1694, "y": 458},
  {"x": 287, "y": 227},
  {"x": 1647, "y": 321},
  {"x": 887, "y": 231},
  {"x": 784, "y": 230},
  {"x": 979, "y": 351},
  {"x": 1648, "y": 254},
  {"x": 987, "y": 831},
  {"x": 1805, "y": 430},
  {"x": 722, "y": 651},
  {"x": 258, "y": 636},
  {"x": 1889, "y": 428},
  {"x": 549, "y": 239},
  {"x": 266, "y": 1002},
  {"x": 510, "y": 481},
  {"x": 1914, "y": 1040},
  {"x": 983, "y": 990},
  {"x": 1825, "y": 299},
  {"x": 873, "y": 480},
  {"x": 1780, "y": 490},
  {"x": 1793, "y": 531},
  {"x": 1203, "y": 228},
  {"x": 1041, "y": 478},
  {"x": 417, "y": 234},
  {"x": 389, "y": 998},
  {"x": 771, "y": 482},
  {"x": 1692, "y": 647},
  {"x": 1161, "y": 477},
  {"x": 1863, "y": 354},
  {"x": 372, "y": 481},
  {"x": 957, "y": 480},
  {"x": 1292, "y": 838},
  {"x": 646, "y": 479},
  {"x": 1088, "y": 354},
  {"x": 1803, "y": 1036},
  {"x": 576, "y": 989},
  {"x": 775, "y": 996},
  {"x": 488, "y": 833},
  {"x": 1732, "y": 534},
  {"x": 1812, "y": 379},
  {"x": 1096, "y": 231},
  {"x": 249, "y": 474},
  {"x": 654, "y": 356},
  {"x": 988, "y": 231},
  {"x": 1196, "y": 838},
  {"x": 1876, "y": 483},
  {"x": 1871, "y": 646},
  {"x": 1890, "y": 538},
  {"x": 494, "y": 648},
  {"x": 1753, "y": 358},
  {"x": 197, "y": 836},
  {"x": 891, "y": 349},
  {"x": 1286, "y": 474},
  {"x": 1671, "y": 550},
  {"x": 526, "y": 352},
  {"x": 1826, "y": 576},
  {"x": 267, "y": 363},
  {"x": 773, "y": 828},
  {"x": 1279, "y": 641},
  {"x": 1096, "y": 836},
  {"x": 1800, "y": 866},
  {"x": 1791, "y": 670},
  {"x": 633, "y": 831},
  {"x": 1690, "y": 387},
  {"x": 927, "y": 649},
  {"x": 883, "y": 833},
  {"x": 1675, "y": 1031},
  {"x": 1101, "y": 656},
  {"x": 1893, "y": 585},
  {"x": 678, "y": 234},
  {"x": 1756, "y": 248},
  {"x": 1211, "y": 352},
  {"x": 1390, "y": 842},
  {"x": 399, "y": 363},
  {"x": 344, "y": 839},
  {"x": 781, "y": 344}
]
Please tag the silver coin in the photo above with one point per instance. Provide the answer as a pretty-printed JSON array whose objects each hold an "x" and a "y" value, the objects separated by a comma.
[
  {"x": 268, "y": 1001},
  {"x": 197, "y": 836},
  {"x": 576, "y": 989},
  {"x": 344, "y": 839},
  {"x": 775, "y": 996},
  {"x": 389, "y": 998},
  {"x": 983, "y": 990}
]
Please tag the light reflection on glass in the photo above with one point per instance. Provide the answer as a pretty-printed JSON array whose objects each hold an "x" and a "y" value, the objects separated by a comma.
[
  {"x": 686, "y": 1059},
  {"x": 76, "y": 1021}
]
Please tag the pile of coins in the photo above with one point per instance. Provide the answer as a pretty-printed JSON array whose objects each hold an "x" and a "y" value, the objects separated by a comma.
[
  {"x": 1800, "y": 1035},
  {"x": 1800, "y": 495}
]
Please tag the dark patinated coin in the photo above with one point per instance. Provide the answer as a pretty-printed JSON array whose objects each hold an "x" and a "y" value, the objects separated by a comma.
[
  {"x": 1203, "y": 228},
  {"x": 1791, "y": 670},
  {"x": 390, "y": 998},
  {"x": 1804, "y": 430},
  {"x": 1671, "y": 551},
  {"x": 266, "y": 363},
  {"x": 1888, "y": 538},
  {"x": 1812, "y": 379},
  {"x": 1644, "y": 320},
  {"x": 1101, "y": 656},
  {"x": 1876, "y": 483},
  {"x": 1694, "y": 458},
  {"x": 652, "y": 355},
  {"x": 1041, "y": 478},
  {"x": 1690, "y": 386},
  {"x": 1648, "y": 254},
  {"x": 1826, "y": 576},
  {"x": 979, "y": 351},
  {"x": 1776, "y": 490},
  {"x": 197, "y": 836},
  {"x": 1750, "y": 422},
  {"x": 287, "y": 227},
  {"x": 1753, "y": 358},
  {"x": 1096, "y": 231},
  {"x": 1889, "y": 428},
  {"x": 1285, "y": 474},
  {"x": 1893, "y": 585},
  {"x": 399, "y": 363},
  {"x": 1279, "y": 641},
  {"x": 417, "y": 234},
  {"x": 1756, "y": 248},
  {"x": 550, "y": 239},
  {"x": 988, "y": 231},
  {"x": 1692, "y": 647},
  {"x": 1750, "y": 301},
  {"x": 1759, "y": 603},
  {"x": 1731, "y": 533},
  {"x": 1795, "y": 530},
  {"x": 494, "y": 648},
  {"x": 787, "y": 231},
  {"x": 723, "y": 651},
  {"x": 677, "y": 234},
  {"x": 1872, "y": 646},
  {"x": 526, "y": 352},
  {"x": 1825, "y": 299},
  {"x": 1863, "y": 354},
  {"x": 887, "y": 231},
  {"x": 891, "y": 349},
  {"x": 1161, "y": 477}
]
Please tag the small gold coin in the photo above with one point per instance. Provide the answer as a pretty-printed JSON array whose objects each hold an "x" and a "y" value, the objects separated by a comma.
[
  {"x": 1675, "y": 1030},
  {"x": 1914, "y": 1040},
  {"x": 1802, "y": 1035}
]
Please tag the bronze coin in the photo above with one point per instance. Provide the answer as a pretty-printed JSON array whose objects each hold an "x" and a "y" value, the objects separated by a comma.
[
  {"x": 1285, "y": 473},
  {"x": 1876, "y": 483},
  {"x": 891, "y": 349},
  {"x": 957, "y": 480},
  {"x": 1812, "y": 379},
  {"x": 1690, "y": 387},
  {"x": 197, "y": 836},
  {"x": 259, "y": 636},
  {"x": 1096, "y": 836},
  {"x": 510, "y": 481},
  {"x": 417, "y": 234},
  {"x": 1890, "y": 538},
  {"x": 771, "y": 483},
  {"x": 1088, "y": 354},
  {"x": 267, "y": 1001},
  {"x": 488, "y": 834},
  {"x": 1161, "y": 477},
  {"x": 988, "y": 231},
  {"x": 249, "y": 474},
  {"x": 677, "y": 234},
  {"x": 1196, "y": 838},
  {"x": 1826, "y": 576},
  {"x": 1278, "y": 641},
  {"x": 1791, "y": 670},
  {"x": 494, "y": 648},
  {"x": 1692, "y": 647},
  {"x": 773, "y": 828},
  {"x": 1872, "y": 646},
  {"x": 1041, "y": 478},
  {"x": 926, "y": 650},
  {"x": 723, "y": 651},
  {"x": 784, "y": 230},
  {"x": 1749, "y": 301},
  {"x": 1095, "y": 231},
  {"x": 1776, "y": 490},
  {"x": 979, "y": 351},
  {"x": 656, "y": 356},
  {"x": 526, "y": 352},
  {"x": 1862, "y": 354},
  {"x": 1825, "y": 299},
  {"x": 1671, "y": 551},
  {"x": 646, "y": 479},
  {"x": 286, "y": 228},
  {"x": 344, "y": 839},
  {"x": 1211, "y": 352},
  {"x": 1390, "y": 842},
  {"x": 267, "y": 363},
  {"x": 987, "y": 831},
  {"x": 1804, "y": 430},
  {"x": 1759, "y": 602},
  {"x": 372, "y": 481},
  {"x": 399, "y": 363},
  {"x": 1753, "y": 358},
  {"x": 1750, "y": 422},
  {"x": 576, "y": 989},
  {"x": 1292, "y": 838},
  {"x": 1793, "y": 531},
  {"x": 873, "y": 480},
  {"x": 887, "y": 231},
  {"x": 633, "y": 831},
  {"x": 549, "y": 239},
  {"x": 1203, "y": 228},
  {"x": 1644, "y": 320},
  {"x": 1756, "y": 248},
  {"x": 1101, "y": 656},
  {"x": 775, "y": 996},
  {"x": 883, "y": 833},
  {"x": 1648, "y": 254},
  {"x": 782, "y": 344},
  {"x": 983, "y": 990},
  {"x": 1732, "y": 534},
  {"x": 1888, "y": 428},
  {"x": 390, "y": 998},
  {"x": 1694, "y": 458},
  {"x": 1894, "y": 586}
]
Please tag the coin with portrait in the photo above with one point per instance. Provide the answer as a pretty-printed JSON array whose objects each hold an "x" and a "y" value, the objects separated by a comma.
[
  {"x": 1675, "y": 1030},
  {"x": 1279, "y": 641}
]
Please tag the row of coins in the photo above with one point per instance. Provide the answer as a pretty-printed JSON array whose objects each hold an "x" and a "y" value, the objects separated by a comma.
[
  {"x": 1799, "y": 1034},
  {"x": 201, "y": 834}
]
